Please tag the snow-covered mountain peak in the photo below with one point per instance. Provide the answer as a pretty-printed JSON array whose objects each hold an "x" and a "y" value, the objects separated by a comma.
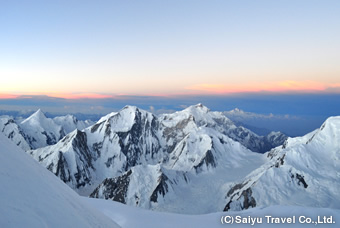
[
  {"x": 124, "y": 120},
  {"x": 274, "y": 133},
  {"x": 130, "y": 112},
  {"x": 329, "y": 132},
  {"x": 199, "y": 107},
  {"x": 41, "y": 131},
  {"x": 331, "y": 126},
  {"x": 131, "y": 108},
  {"x": 197, "y": 110},
  {"x": 39, "y": 116},
  {"x": 236, "y": 111},
  {"x": 70, "y": 122},
  {"x": 127, "y": 112},
  {"x": 134, "y": 111},
  {"x": 201, "y": 115}
]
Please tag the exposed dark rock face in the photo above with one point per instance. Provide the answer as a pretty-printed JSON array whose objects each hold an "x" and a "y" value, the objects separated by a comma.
[
  {"x": 79, "y": 145},
  {"x": 62, "y": 169},
  {"x": 235, "y": 188},
  {"x": 95, "y": 127},
  {"x": 113, "y": 188},
  {"x": 161, "y": 189},
  {"x": 300, "y": 179},
  {"x": 248, "y": 200},
  {"x": 207, "y": 160},
  {"x": 135, "y": 142},
  {"x": 280, "y": 161}
]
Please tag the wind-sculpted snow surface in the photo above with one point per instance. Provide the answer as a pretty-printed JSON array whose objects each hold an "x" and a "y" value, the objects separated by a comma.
[
  {"x": 31, "y": 196},
  {"x": 304, "y": 171}
]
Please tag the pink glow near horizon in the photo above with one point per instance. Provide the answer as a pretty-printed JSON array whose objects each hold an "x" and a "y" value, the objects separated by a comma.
[{"x": 288, "y": 86}]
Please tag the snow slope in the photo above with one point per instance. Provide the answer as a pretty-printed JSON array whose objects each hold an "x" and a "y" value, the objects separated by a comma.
[
  {"x": 304, "y": 171},
  {"x": 31, "y": 196},
  {"x": 129, "y": 217}
]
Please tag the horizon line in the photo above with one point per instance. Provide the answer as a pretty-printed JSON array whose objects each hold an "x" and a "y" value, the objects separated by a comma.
[{"x": 100, "y": 96}]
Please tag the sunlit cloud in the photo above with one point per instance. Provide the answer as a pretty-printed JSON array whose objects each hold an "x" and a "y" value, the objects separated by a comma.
[
  {"x": 80, "y": 95},
  {"x": 70, "y": 96},
  {"x": 240, "y": 115},
  {"x": 288, "y": 86},
  {"x": 7, "y": 96},
  {"x": 276, "y": 87}
]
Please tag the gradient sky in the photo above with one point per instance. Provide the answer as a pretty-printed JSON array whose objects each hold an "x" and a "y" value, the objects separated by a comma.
[{"x": 102, "y": 49}]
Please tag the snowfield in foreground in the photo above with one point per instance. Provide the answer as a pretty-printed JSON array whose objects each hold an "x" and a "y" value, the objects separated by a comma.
[
  {"x": 31, "y": 196},
  {"x": 131, "y": 217}
]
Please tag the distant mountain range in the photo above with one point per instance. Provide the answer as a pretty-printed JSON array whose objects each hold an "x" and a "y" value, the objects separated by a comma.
[
  {"x": 38, "y": 131},
  {"x": 192, "y": 161}
]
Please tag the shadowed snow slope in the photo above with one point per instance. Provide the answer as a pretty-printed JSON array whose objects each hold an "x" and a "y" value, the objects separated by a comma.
[{"x": 31, "y": 196}]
